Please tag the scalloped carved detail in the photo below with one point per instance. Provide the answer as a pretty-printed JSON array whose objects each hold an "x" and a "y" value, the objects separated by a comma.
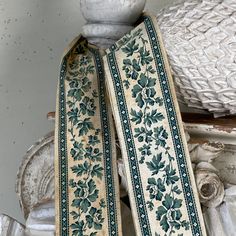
[{"x": 35, "y": 178}]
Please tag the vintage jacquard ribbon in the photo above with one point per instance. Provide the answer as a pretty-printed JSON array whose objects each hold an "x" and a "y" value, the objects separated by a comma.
[
  {"x": 162, "y": 190},
  {"x": 87, "y": 188}
]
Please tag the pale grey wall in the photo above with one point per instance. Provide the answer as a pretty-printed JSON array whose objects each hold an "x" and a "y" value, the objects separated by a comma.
[{"x": 33, "y": 34}]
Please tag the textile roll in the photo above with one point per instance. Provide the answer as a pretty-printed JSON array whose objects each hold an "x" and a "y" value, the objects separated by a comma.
[{"x": 162, "y": 191}]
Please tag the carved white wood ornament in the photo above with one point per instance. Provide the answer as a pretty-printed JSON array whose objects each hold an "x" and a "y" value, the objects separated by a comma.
[{"x": 10, "y": 227}]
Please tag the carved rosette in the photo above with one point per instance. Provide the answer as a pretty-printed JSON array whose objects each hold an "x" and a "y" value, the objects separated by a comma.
[{"x": 210, "y": 188}]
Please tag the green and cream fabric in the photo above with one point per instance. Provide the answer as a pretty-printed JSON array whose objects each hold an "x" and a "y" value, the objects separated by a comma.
[
  {"x": 87, "y": 190},
  {"x": 162, "y": 192}
]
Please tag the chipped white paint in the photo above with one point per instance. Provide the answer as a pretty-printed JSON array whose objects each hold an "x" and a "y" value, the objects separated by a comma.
[
  {"x": 41, "y": 220},
  {"x": 216, "y": 177},
  {"x": 225, "y": 162},
  {"x": 10, "y": 227},
  {"x": 205, "y": 152},
  {"x": 220, "y": 221},
  {"x": 35, "y": 179}
]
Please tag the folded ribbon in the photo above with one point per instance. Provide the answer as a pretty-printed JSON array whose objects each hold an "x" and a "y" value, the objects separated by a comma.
[
  {"x": 87, "y": 188},
  {"x": 161, "y": 185}
]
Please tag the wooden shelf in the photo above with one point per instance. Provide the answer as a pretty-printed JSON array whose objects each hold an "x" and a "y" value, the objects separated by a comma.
[{"x": 228, "y": 121}]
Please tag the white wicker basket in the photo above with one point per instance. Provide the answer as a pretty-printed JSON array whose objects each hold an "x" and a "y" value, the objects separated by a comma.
[{"x": 200, "y": 39}]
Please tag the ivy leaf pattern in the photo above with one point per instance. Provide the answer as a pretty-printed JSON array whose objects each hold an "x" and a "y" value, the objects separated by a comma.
[
  {"x": 73, "y": 115},
  {"x": 149, "y": 132},
  {"x": 170, "y": 207},
  {"x": 93, "y": 140},
  {"x": 84, "y": 126},
  {"x": 156, "y": 188},
  {"x": 145, "y": 56},
  {"x": 136, "y": 116},
  {"x": 130, "y": 48},
  {"x": 144, "y": 91},
  {"x": 81, "y": 169},
  {"x": 153, "y": 117},
  {"x": 77, "y": 228},
  {"x": 95, "y": 219},
  {"x": 161, "y": 136},
  {"x": 78, "y": 88},
  {"x": 97, "y": 171},
  {"x": 76, "y": 152},
  {"x": 156, "y": 165},
  {"x": 87, "y": 106},
  {"x": 85, "y": 151}
]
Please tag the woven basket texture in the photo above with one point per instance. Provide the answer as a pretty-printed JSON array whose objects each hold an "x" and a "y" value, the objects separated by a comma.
[{"x": 200, "y": 39}]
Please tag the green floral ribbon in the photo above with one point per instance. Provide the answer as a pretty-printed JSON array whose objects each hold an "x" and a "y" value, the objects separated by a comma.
[
  {"x": 162, "y": 190},
  {"x": 87, "y": 188}
]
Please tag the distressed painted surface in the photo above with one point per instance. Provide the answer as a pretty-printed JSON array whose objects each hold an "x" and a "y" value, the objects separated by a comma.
[{"x": 33, "y": 34}]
